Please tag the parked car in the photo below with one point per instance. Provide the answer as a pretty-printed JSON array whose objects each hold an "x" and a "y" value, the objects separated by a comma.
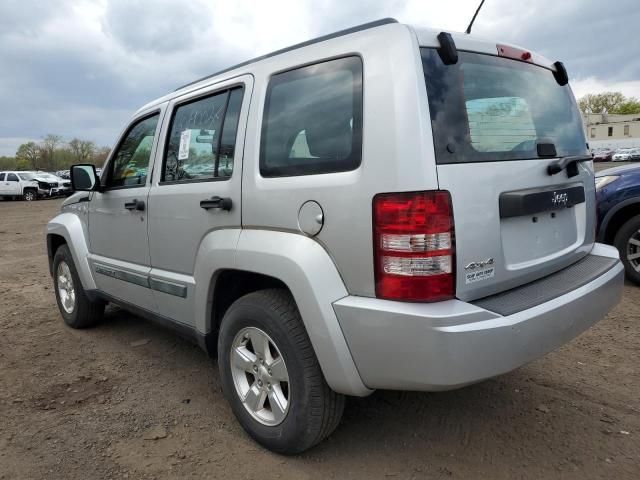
[
  {"x": 348, "y": 237},
  {"x": 635, "y": 155},
  {"x": 603, "y": 155},
  {"x": 622, "y": 155},
  {"x": 18, "y": 185},
  {"x": 618, "y": 198},
  {"x": 50, "y": 185}
]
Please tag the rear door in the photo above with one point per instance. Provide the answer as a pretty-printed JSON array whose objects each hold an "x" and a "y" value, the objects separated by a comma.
[
  {"x": 495, "y": 124},
  {"x": 196, "y": 187}
]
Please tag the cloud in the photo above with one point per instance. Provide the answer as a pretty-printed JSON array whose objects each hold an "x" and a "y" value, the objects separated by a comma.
[{"x": 81, "y": 67}]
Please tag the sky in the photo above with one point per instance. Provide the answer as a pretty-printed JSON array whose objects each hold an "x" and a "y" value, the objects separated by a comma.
[{"x": 80, "y": 68}]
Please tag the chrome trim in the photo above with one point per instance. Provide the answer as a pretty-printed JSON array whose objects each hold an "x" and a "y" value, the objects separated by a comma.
[
  {"x": 135, "y": 278},
  {"x": 164, "y": 286},
  {"x": 171, "y": 288}
]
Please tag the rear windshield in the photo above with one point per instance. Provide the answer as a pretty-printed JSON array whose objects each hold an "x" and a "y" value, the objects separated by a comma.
[{"x": 487, "y": 108}]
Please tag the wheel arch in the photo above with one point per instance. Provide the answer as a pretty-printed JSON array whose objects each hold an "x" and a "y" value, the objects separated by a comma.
[
  {"x": 67, "y": 228},
  {"x": 616, "y": 217},
  {"x": 268, "y": 259}
]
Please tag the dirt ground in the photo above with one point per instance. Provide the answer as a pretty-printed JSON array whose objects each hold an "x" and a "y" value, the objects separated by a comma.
[{"x": 128, "y": 399}]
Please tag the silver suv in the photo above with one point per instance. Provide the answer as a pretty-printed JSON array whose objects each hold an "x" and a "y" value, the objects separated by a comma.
[{"x": 388, "y": 207}]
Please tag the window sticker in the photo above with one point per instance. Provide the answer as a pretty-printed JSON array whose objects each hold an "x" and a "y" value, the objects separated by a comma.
[
  {"x": 185, "y": 142},
  {"x": 485, "y": 274}
]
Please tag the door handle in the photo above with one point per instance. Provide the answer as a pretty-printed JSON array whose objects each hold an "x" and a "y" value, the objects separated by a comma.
[
  {"x": 223, "y": 203},
  {"x": 134, "y": 205}
]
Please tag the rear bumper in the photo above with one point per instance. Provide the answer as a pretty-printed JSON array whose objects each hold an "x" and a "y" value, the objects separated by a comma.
[{"x": 446, "y": 345}]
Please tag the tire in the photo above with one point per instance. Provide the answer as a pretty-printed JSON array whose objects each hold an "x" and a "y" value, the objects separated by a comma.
[
  {"x": 80, "y": 312},
  {"x": 30, "y": 195},
  {"x": 312, "y": 410},
  {"x": 627, "y": 241}
]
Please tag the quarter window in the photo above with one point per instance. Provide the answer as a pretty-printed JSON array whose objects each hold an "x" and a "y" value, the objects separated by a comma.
[
  {"x": 202, "y": 138},
  {"x": 130, "y": 164},
  {"x": 313, "y": 120}
]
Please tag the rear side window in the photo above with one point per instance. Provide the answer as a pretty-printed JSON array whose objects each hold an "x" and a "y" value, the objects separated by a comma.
[
  {"x": 487, "y": 108},
  {"x": 202, "y": 138},
  {"x": 313, "y": 120},
  {"x": 1, "y": 177}
]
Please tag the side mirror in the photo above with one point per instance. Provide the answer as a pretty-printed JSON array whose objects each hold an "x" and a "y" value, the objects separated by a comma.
[{"x": 84, "y": 178}]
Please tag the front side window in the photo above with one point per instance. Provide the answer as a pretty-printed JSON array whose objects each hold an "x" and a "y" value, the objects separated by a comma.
[
  {"x": 12, "y": 177},
  {"x": 202, "y": 138},
  {"x": 486, "y": 108},
  {"x": 313, "y": 120},
  {"x": 1, "y": 177},
  {"x": 130, "y": 163}
]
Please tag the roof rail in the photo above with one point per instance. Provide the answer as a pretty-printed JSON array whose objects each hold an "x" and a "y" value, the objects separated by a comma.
[{"x": 358, "y": 28}]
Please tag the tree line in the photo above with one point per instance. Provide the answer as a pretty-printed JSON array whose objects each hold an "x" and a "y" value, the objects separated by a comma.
[
  {"x": 52, "y": 153},
  {"x": 609, "y": 103}
]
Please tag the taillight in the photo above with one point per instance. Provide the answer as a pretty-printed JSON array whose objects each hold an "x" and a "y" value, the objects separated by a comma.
[{"x": 414, "y": 246}]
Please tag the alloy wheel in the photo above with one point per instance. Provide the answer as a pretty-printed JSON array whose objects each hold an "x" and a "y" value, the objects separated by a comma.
[
  {"x": 633, "y": 250},
  {"x": 260, "y": 376},
  {"x": 66, "y": 289}
]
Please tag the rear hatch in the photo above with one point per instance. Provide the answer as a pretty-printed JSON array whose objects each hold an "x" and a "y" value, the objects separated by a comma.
[{"x": 496, "y": 124}]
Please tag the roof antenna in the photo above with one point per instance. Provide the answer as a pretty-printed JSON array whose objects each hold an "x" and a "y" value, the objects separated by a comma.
[{"x": 468, "y": 31}]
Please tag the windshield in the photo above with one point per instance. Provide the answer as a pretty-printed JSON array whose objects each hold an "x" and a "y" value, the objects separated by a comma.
[
  {"x": 487, "y": 108},
  {"x": 26, "y": 176}
]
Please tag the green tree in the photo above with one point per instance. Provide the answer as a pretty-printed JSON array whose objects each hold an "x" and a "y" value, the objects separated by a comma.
[
  {"x": 606, "y": 102},
  {"x": 22, "y": 164},
  {"x": 49, "y": 146},
  {"x": 100, "y": 156},
  {"x": 30, "y": 153},
  {"x": 82, "y": 150},
  {"x": 630, "y": 106},
  {"x": 7, "y": 163}
]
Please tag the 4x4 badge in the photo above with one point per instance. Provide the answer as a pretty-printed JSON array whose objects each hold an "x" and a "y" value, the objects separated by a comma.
[{"x": 479, "y": 264}]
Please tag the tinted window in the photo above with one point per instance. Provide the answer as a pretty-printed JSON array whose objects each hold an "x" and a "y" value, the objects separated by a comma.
[
  {"x": 313, "y": 120},
  {"x": 1, "y": 177},
  {"x": 488, "y": 108},
  {"x": 202, "y": 138},
  {"x": 12, "y": 177},
  {"x": 130, "y": 164}
]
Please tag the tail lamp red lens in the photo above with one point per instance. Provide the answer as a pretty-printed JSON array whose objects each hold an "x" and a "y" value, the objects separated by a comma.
[{"x": 414, "y": 246}]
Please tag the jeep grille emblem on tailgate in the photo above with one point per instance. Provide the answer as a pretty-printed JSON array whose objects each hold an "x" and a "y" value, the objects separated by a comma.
[{"x": 559, "y": 199}]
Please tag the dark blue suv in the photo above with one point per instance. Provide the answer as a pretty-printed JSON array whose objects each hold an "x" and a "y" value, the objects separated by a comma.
[{"x": 618, "y": 196}]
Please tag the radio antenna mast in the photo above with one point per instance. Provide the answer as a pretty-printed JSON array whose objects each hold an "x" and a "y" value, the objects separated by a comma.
[{"x": 474, "y": 17}]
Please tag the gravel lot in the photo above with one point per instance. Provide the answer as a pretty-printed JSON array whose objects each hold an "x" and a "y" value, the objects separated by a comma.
[{"x": 130, "y": 400}]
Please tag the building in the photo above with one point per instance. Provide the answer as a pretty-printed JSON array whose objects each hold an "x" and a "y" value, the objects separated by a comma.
[{"x": 612, "y": 131}]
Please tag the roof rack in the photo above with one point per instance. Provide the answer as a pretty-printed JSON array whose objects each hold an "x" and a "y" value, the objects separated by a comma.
[{"x": 358, "y": 28}]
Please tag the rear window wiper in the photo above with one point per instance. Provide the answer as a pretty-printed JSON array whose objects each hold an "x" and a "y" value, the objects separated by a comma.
[{"x": 570, "y": 163}]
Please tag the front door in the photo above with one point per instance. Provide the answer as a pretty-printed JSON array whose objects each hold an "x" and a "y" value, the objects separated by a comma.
[
  {"x": 118, "y": 217},
  {"x": 196, "y": 188},
  {"x": 12, "y": 185}
]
